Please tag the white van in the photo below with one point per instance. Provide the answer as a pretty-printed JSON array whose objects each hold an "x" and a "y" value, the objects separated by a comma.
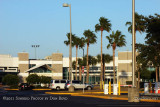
[{"x": 58, "y": 84}]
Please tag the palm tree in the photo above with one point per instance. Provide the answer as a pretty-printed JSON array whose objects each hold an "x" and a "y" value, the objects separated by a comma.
[
  {"x": 80, "y": 63},
  {"x": 115, "y": 40},
  {"x": 106, "y": 59},
  {"x": 77, "y": 43},
  {"x": 104, "y": 24},
  {"x": 90, "y": 38},
  {"x": 139, "y": 26},
  {"x": 92, "y": 61},
  {"x": 82, "y": 43},
  {"x": 67, "y": 42}
]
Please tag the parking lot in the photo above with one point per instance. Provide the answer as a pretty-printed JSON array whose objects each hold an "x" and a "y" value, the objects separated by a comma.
[{"x": 33, "y": 98}]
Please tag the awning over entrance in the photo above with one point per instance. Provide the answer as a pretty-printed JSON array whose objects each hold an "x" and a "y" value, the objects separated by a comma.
[{"x": 38, "y": 66}]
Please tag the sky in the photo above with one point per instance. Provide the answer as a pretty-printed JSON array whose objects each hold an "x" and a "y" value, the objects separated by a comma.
[{"x": 46, "y": 22}]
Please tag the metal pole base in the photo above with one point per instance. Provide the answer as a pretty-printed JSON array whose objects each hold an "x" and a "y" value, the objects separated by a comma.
[
  {"x": 71, "y": 88},
  {"x": 133, "y": 94}
]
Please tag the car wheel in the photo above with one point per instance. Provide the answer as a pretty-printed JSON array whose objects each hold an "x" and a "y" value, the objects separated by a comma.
[
  {"x": 57, "y": 88},
  {"x": 89, "y": 88}
]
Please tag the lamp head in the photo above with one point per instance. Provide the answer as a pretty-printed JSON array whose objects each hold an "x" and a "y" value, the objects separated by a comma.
[{"x": 65, "y": 5}]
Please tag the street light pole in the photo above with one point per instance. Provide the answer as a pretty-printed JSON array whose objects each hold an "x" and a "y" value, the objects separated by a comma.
[
  {"x": 133, "y": 92},
  {"x": 70, "y": 45},
  {"x": 35, "y": 46},
  {"x": 70, "y": 48},
  {"x": 133, "y": 44}
]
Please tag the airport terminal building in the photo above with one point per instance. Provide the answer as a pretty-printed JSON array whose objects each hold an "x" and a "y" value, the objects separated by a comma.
[{"x": 57, "y": 66}]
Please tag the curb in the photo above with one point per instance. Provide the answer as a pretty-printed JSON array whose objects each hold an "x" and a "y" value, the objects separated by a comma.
[
  {"x": 32, "y": 89},
  {"x": 102, "y": 97},
  {"x": 60, "y": 93},
  {"x": 40, "y": 89},
  {"x": 10, "y": 89}
]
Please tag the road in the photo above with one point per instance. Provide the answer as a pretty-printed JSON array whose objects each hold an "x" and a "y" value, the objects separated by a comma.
[{"x": 40, "y": 99}]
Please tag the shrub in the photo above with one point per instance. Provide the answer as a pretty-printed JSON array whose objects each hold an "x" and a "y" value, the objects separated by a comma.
[
  {"x": 33, "y": 79},
  {"x": 45, "y": 79},
  {"x": 11, "y": 80}
]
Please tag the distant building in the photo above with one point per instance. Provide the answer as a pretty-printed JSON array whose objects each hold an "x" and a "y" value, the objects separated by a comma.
[{"x": 56, "y": 67}]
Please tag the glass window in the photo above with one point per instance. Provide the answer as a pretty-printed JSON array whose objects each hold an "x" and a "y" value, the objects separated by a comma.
[
  {"x": 63, "y": 81},
  {"x": 31, "y": 65},
  {"x": 50, "y": 65},
  {"x": 56, "y": 81},
  {"x": 76, "y": 82}
]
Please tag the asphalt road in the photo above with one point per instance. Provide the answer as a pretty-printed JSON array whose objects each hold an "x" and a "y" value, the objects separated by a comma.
[{"x": 40, "y": 99}]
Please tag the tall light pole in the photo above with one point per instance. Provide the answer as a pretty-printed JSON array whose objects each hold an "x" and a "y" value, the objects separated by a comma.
[
  {"x": 70, "y": 47},
  {"x": 133, "y": 44},
  {"x": 133, "y": 92},
  {"x": 35, "y": 46}
]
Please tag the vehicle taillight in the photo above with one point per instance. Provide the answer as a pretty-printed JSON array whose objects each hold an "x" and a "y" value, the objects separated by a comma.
[
  {"x": 67, "y": 84},
  {"x": 22, "y": 85}
]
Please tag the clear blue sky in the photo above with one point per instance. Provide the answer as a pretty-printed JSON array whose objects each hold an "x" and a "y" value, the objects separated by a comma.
[{"x": 45, "y": 22}]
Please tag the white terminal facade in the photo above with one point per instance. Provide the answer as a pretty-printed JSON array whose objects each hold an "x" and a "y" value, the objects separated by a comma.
[{"x": 56, "y": 66}]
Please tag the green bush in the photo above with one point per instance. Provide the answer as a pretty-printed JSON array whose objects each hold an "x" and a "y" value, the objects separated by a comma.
[
  {"x": 33, "y": 79},
  {"x": 11, "y": 80},
  {"x": 45, "y": 79},
  {"x": 14, "y": 87}
]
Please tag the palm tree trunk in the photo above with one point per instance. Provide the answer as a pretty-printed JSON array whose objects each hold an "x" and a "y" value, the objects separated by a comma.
[
  {"x": 87, "y": 80},
  {"x": 156, "y": 74},
  {"x": 114, "y": 78},
  {"x": 76, "y": 61},
  {"x": 104, "y": 72},
  {"x": 138, "y": 80},
  {"x": 159, "y": 74},
  {"x": 80, "y": 74},
  {"x": 69, "y": 71},
  {"x": 101, "y": 63}
]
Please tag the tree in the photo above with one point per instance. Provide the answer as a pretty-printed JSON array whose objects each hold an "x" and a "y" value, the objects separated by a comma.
[
  {"x": 106, "y": 58},
  {"x": 77, "y": 42},
  {"x": 104, "y": 24},
  {"x": 139, "y": 26},
  {"x": 152, "y": 37},
  {"x": 90, "y": 38},
  {"x": 150, "y": 52},
  {"x": 115, "y": 40},
  {"x": 33, "y": 79},
  {"x": 80, "y": 63},
  {"x": 45, "y": 80},
  {"x": 10, "y": 79},
  {"x": 67, "y": 42}
]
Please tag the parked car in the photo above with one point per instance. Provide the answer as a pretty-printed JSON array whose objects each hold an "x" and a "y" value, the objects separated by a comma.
[
  {"x": 57, "y": 84},
  {"x": 78, "y": 85},
  {"x": 24, "y": 86}
]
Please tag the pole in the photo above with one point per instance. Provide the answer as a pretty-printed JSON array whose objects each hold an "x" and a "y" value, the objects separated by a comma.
[
  {"x": 133, "y": 43},
  {"x": 83, "y": 52},
  {"x": 119, "y": 88},
  {"x": 109, "y": 87},
  {"x": 70, "y": 52},
  {"x": 83, "y": 78},
  {"x": 35, "y": 53}
]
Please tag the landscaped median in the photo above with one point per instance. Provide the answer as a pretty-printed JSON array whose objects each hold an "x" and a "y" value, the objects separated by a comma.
[{"x": 102, "y": 96}]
